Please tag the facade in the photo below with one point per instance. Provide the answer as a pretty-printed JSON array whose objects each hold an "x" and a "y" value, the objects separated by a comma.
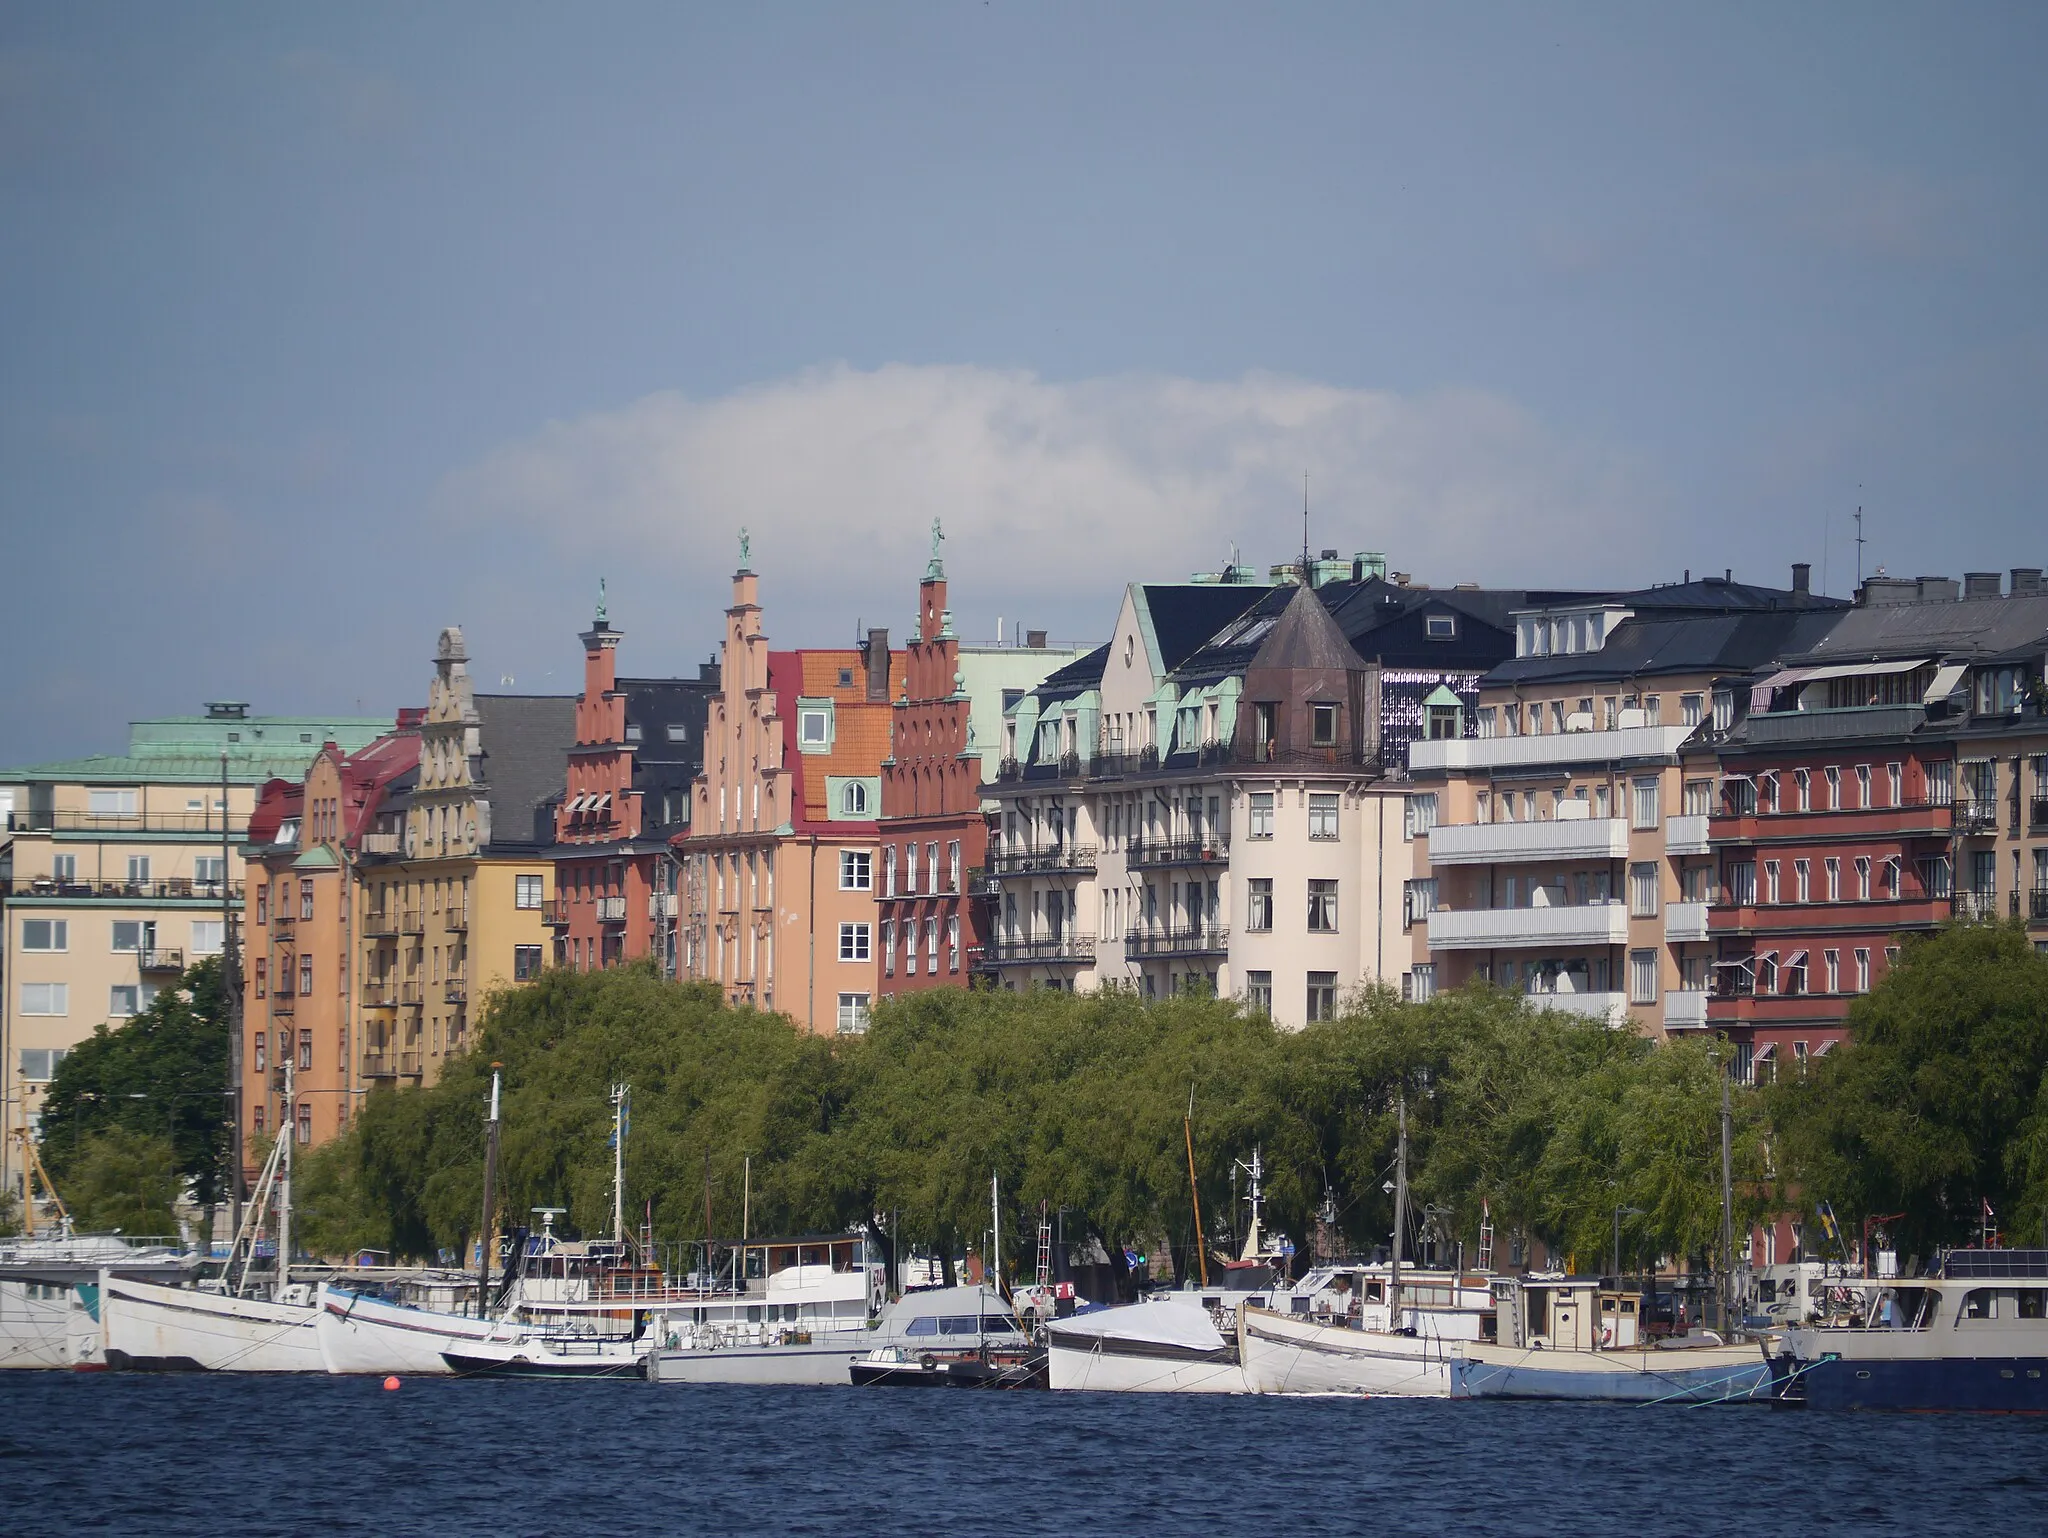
[
  {"x": 1882, "y": 781},
  {"x": 453, "y": 878},
  {"x": 114, "y": 877},
  {"x": 776, "y": 869},
  {"x": 1562, "y": 851},
  {"x": 298, "y": 985},
  {"x": 638, "y": 744}
]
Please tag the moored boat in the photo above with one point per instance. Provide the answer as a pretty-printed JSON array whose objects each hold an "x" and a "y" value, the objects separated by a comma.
[
  {"x": 1160, "y": 1346},
  {"x": 151, "y": 1328}
]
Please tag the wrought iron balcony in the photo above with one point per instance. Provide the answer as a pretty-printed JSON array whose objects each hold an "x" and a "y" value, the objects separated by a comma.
[
  {"x": 176, "y": 889},
  {"x": 161, "y": 959},
  {"x": 377, "y": 1066},
  {"x": 1976, "y": 816},
  {"x": 1057, "y": 950},
  {"x": 282, "y": 1004},
  {"x": 1195, "y": 851},
  {"x": 455, "y": 916},
  {"x": 411, "y": 1064},
  {"x": 455, "y": 990},
  {"x": 380, "y": 925},
  {"x": 380, "y": 993},
  {"x": 1054, "y": 859},
  {"x": 1976, "y": 905},
  {"x": 2037, "y": 813},
  {"x": 412, "y": 991},
  {"x": 1203, "y": 940},
  {"x": 412, "y": 922},
  {"x": 2037, "y": 903},
  {"x": 555, "y": 912}
]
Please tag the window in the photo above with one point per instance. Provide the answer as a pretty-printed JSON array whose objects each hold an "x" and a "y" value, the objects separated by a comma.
[
  {"x": 123, "y": 1000},
  {"x": 856, "y": 870},
  {"x": 814, "y": 728},
  {"x": 953, "y": 943},
  {"x": 526, "y": 963},
  {"x": 1834, "y": 801},
  {"x": 1322, "y": 907},
  {"x": 853, "y": 942},
  {"x": 1440, "y": 627},
  {"x": 1258, "y": 992},
  {"x": 110, "y": 803},
  {"x": 527, "y": 890},
  {"x": 46, "y": 998},
  {"x": 206, "y": 937},
  {"x": 127, "y": 935},
  {"x": 64, "y": 867},
  {"x": 138, "y": 869},
  {"x": 1421, "y": 983},
  {"x": 931, "y": 866},
  {"x": 853, "y": 1013},
  {"x": 1863, "y": 878},
  {"x": 1642, "y": 977},
  {"x": 306, "y": 898},
  {"x": 1802, "y": 880},
  {"x": 305, "y": 977},
  {"x": 889, "y": 948},
  {"x": 1322, "y": 996},
  {"x": 854, "y": 799},
  {"x": 1699, "y": 798},
  {"x": 1740, "y": 883},
  {"x": 1802, "y": 789},
  {"x": 1770, "y": 881},
  {"x": 45, "y": 934},
  {"x": 1261, "y": 825},
  {"x": 1418, "y": 814},
  {"x": 1324, "y": 723},
  {"x": 910, "y": 867},
  {"x": 1831, "y": 969},
  {"x": 1691, "y": 709},
  {"x": 1322, "y": 815},
  {"x": 1863, "y": 786},
  {"x": 1891, "y": 878},
  {"x": 40, "y": 1063},
  {"x": 1895, "y": 782},
  {"x": 262, "y": 978},
  {"x": 1642, "y": 891},
  {"x": 1258, "y": 904},
  {"x": 889, "y": 871},
  {"x": 263, "y": 905},
  {"x": 953, "y": 865},
  {"x": 305, "y": 1121},
  {"x": 1834, "y": 870},
  {"x": 1862, "y": 969},
  {"x": 305, "y": 1051},
  {"x": 209, "y": 870},
  {"x": 1645, "y": 804},
  {"x": 1418, "y": 901}
]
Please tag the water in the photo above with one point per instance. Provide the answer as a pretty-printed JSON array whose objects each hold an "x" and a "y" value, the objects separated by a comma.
[{"x": 111, "y": 1453}]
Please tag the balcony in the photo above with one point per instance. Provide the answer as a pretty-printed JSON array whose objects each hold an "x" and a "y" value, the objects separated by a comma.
[
  {"x": 554, "y": 912},
  {"x": 1503, "y": 843},
  {"x": 1685, "y": 835},
  {"x": 611, "y": 910},
  {"x": 380, "y": 993},
  {"x": 455, "y": 916},
  {"x": 1055, "y": 860},
  {"x": 178, "y": 889},
  {"x": 2037, "y": 814},
  {"x": 411, "y": 1064},
  {"x": 380, "y": 926},
  {"x": 1976, "y": 814},
  {"x": 282, "y": 1004},
  {"x": 160, "y": 959},
  {"x": 1633, "y": 743},
  {"x": 1205, "y": 851},
  {"x": 1046, "y": 950},
  {"x": 1685, "y": 1009},
  {"x": 2037, "y": 903},
  {"x": 412, "y": 991},
  {"x": 377, "y": 1066},
  {"x": 1485, "y": 929},
  {"x": 661, "y": 905},
  {"x": 280, "y": 923},
  {"x": 197, "y": 825},
  {"x": 412, "y": 922},
  {"x": 1836, "y": 725},
  {"x": 1976, "y": 905},
  {"x": 1205, "y": 940},
  {"x": 1684, "y": 922},
  {"x": 1610, "y": 1007},
  {"x": 455, "y": 990}
]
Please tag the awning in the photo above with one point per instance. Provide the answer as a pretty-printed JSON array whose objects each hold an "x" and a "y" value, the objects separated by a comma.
[
  {"x": 576, "y": 806},
  {"x": 1760, "y": 694},
  {"x": 1745, "y": 964},
  {"x": 1766, "y": 1052},
  {"x": 599, "y": 803},
  {"x": 1796, "y": 959},
  {"x": 1824, "y": 1049},
  {"x": 1946, "y": 677}
]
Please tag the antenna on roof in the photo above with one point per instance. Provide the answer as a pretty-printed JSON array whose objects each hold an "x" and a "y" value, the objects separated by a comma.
[
  {"x": 1859, "y": 547},
  {"x": 1307, "y": 578}
]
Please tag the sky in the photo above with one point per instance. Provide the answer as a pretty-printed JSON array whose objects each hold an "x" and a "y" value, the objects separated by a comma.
[{"x": 323, "y": 328}]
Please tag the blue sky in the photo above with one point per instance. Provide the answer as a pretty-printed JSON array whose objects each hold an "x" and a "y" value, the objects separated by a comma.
[{"x": 324, "y": 331}]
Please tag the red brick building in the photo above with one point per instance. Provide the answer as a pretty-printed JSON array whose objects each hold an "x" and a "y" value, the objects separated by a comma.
[{"x": 932, "y": 829}]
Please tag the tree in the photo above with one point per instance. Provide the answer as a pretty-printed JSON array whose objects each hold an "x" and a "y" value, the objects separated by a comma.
[
  {"x": 1937, "y": 1104},
  {"x": 127, "y": 1181},
  {"x": 163, "y": 1075}
]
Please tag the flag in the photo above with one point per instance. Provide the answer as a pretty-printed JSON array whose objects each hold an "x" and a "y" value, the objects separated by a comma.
[{"x": 1828, "y": 1225}]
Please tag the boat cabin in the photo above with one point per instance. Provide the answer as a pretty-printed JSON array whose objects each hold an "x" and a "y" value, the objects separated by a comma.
[{"x": 1564, "y": 1313}]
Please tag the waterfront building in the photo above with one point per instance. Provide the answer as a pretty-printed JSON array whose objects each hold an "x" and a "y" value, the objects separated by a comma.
[
  {"x": 453, "y": 876},
  {"x": 113, "y": 878},
  {"x": 1877, "y": 786},
  {"x": 304, "y": 839},
  {"x": 1561, "y": 850},
  {"x": 776, "y": 868},
  {"x": 638, "y": 745}
]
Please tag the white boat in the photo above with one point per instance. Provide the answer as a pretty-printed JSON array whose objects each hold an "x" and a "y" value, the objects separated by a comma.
[
  {"x": 49, "y": 1298},
  {"x": 539, "y": 1355},
  {"x": 1311, "y": 1354},
  {"x": 361, "y": 1332},
  {"x": 801, "y": 1324},
  {"x": 1160, "y": 1346},
  {"x": 151, "y": 1328}
]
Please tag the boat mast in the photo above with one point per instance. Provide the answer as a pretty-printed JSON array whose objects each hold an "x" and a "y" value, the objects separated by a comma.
[
  {"x": 483, "y": 1286},
  {"x": 1194, "y": 1195},
  {"x": 231, "y": 991},
  {"x": 995, "y": 1213},
  {"x": 1400, "y": 1208},
  {"x": 287, "y": 1129},
  {"x": 1727, "y": 1208},
  {"x": 619, "y": 1123}
]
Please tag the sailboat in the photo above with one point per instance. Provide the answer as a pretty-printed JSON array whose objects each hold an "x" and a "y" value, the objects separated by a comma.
[{"x": 216, "y": 1327}]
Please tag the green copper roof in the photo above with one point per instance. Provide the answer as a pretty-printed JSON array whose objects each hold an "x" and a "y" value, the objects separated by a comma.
[
  {"x": 319, "y": 857},
  {"x": 188, "y": 749}
]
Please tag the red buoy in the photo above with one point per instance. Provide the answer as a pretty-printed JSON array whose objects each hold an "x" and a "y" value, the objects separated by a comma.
[{"x": 390, "y": 1383}]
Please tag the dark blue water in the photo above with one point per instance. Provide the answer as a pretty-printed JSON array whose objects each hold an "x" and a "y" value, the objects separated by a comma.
[{"x": 165, "y": 1456}]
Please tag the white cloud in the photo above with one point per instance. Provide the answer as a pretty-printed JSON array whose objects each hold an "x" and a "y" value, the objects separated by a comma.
[{"x": 1054, "y": 493}]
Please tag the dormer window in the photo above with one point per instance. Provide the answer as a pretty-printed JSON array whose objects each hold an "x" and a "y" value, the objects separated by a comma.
[
  {"x": 1323, "y": 721},
  {"x": 1440, "y": 627},
  {"x": 855, "y": 801},
  {"x": 846, "y": 678},
  {"x": 632, "y": 731}
]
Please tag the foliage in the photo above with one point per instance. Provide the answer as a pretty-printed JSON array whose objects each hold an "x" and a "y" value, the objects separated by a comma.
[
  {"x": 124, "y": 1180},
  {"x": 1939, "y": 1103},
  {"x": 163, "y": 1075}
]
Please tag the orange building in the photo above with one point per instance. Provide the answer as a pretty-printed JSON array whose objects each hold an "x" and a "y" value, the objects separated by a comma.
[
  {"x": 933, "y": 831},
  {"x": 303, "y": 843},
  {"x": 778, "y": 867}
]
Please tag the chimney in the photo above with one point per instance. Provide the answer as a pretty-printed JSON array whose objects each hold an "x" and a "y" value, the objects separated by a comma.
[
  {"x": 1939, "y": 589},
  {"x": 1982, "y": 584},
  {"x": 877, "y": 650},
  {"x": 2026, "y": 582},
  {"x": 1802, "y": 575}
]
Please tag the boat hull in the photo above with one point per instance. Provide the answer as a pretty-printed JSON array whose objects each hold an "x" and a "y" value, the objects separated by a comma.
[
  {"x": 35, "y": 1320},
  {"x": 1708, "y": 1375},
  {"x": 363, "y": 1334},
  {"x": 1285, "y": 1354},
  {"x": 943, "y": 1373},
  {"x": 1901, "y": 1373},
  {"x": 147, "y": 1328},
  {"x": 466, "y": 1363},
  {"x": 819, "y": 1364},
  {"x": 1121, "y": 1367}
]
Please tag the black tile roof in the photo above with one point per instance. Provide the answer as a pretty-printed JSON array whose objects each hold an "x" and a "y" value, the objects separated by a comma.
[
  {"x": 1184, "y": 617},
  {"x": 1076, "y": 678},
  {"x": 1642, "y": 648},
  {"x": 526, "y": 741}
]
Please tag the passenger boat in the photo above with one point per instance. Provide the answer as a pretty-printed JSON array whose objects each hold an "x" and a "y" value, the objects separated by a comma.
[
  {"x": 800, "y": 1311},
  {"x": 1574, "y": 1337},
  {"x": 1972, "y": 1337}
]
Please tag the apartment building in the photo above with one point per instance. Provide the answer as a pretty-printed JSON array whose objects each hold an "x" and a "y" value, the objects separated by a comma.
[
  {"x": 777, "y": 868},
  {"x": 304, "y": 839},
  {"x": 114, "y": 873},
  {"x": 452, "y": 875},
  {"x": 638, "y": 746},
  {"x": 1876, "y": 787},
  {"x": 1561, "y": 849}
]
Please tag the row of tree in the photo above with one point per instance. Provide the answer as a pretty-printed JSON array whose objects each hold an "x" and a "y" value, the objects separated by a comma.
[{"x": 1545, "y": 1123}]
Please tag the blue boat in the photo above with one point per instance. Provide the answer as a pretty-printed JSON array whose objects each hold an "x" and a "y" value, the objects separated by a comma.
[{"x": 1972, "y": 1337}]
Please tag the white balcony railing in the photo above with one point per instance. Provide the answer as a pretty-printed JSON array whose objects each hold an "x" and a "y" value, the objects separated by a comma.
[
  {"x": 1611, "y": 1007},
  {"x": 1486, "y": 929},
  {"x": 1685, "y": 1009},
  {"x": 1684, "y": 922},
  {"x": 1501, "y": 843},
  {"x": 1636, "y": 742},
  {"x": 1685, "y": 835}
]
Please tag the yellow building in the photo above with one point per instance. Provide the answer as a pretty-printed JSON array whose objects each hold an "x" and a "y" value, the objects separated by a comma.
[
  {"x": 451, "y": 881},
  {"x": 116, "y": 875}
]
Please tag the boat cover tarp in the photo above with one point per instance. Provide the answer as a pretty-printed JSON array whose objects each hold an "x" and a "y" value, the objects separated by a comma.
[{"x": 1161, "y": 1322}]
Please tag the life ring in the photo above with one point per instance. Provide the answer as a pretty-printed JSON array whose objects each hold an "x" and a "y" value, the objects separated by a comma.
[{"x": 1606, "y": 1334}]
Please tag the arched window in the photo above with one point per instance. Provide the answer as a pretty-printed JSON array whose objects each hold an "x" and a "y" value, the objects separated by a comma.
[{"x": 855, "y": 799}]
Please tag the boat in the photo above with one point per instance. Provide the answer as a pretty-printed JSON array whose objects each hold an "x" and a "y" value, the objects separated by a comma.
[
  {"x": 1578, "y": 1337},
  {"x": 361, "y": 1330},
  {"x": 1169, "y": 1345},
  {"x": 1974, "y": 1336},
  {"x": 550, "y": 1356},
  {"x": 949, "y": 1337},
  {"x": 802, "y": 1311},
  {"x": 49, "y": 1293}
]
